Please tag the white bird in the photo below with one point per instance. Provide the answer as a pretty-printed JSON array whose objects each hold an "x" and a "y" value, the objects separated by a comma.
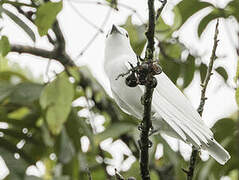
[{"x": 172, "y": 112}]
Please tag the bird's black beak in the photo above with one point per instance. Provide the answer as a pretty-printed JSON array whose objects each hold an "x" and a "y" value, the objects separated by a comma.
[{"x": 114, "y": 29}]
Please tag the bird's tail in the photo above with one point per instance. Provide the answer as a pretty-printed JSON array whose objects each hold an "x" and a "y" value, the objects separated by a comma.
[{"x": 217, "y": 152}]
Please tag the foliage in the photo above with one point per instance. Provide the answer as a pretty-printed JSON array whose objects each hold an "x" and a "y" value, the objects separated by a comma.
[{"x": 43, "y": 125}]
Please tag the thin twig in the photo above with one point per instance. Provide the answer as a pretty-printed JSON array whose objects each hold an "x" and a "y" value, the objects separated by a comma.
[
  {"x": 84, "y": 18},
  {"x": 118, "y": 175},
  {"x": 134, "y": 11},
  {"x": 161, "y": 8},
  {"x": 95, "y": 36},
  {"x": 194, "y": 154}
]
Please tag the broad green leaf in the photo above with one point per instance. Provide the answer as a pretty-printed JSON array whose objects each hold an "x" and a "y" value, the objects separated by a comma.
[
  {"x": 20, "y": 23},
  {"x": 77, "y": 127},
  {"x": 216, "y": 13},
  {"x": 232, "y": 7},
  {"x": 136, "y": 35},
  {"x": 221, "y": 70},
  {"x": 170, "y": 68},
  {"x": 98, "y": 174},
  {"x": 115, "y": 130},
  {"x": 203, "y": 71},
  {"x": 5, "y": 90},
  {"x": 66, "y": 149},
  {"x": 189, "y": 69},
  {"x": 10, "y": 147},
  {"x": 188, "y": 7},
  {"x": 25, "y": 93},
  {"x": 56, "y": 99},
  {"x": 173, "y": 50},
  {"x": 73, "y": 129},
  {"x": 4, "y": 46},
  {"x": 72, "y": 168},
  {"x": 46, "y": 16},
  {"x": 16, "y": 167},
  {"x": 19, "y": 113}
]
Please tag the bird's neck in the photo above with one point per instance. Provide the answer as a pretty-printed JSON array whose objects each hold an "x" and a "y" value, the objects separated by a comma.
[{"x": 117, "y": 48}]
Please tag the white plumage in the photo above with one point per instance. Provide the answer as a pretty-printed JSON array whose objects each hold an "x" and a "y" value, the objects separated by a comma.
[{"x": 172, "y": 113}]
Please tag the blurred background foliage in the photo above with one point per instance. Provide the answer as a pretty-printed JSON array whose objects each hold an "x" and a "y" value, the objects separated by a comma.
[{"x": 41, "y": 122}]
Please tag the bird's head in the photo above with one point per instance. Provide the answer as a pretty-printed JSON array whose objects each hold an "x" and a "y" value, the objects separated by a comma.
[
  {"x": 117, "y": 32},
  {"x": 117, "y": 42}
]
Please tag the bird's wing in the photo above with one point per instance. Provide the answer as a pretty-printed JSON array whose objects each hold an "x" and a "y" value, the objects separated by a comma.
[{"x": 176, "y": 110}]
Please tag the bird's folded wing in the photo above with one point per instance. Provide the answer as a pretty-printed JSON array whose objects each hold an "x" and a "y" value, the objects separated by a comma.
[
  {"x": 176, "y": 110},
  {"x": 171, "y": 100}
]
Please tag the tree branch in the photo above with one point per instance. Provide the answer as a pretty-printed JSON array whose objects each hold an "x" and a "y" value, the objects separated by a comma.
[
  {"x": 194, "y": 154},
  {"x": 62, "y": 57},
  {"x": 146, "y": 123}
]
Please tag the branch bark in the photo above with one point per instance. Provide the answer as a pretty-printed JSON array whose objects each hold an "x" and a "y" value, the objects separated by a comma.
[
  {"x": 193, "y": 158},
  {"x": 146, "y": 123}
]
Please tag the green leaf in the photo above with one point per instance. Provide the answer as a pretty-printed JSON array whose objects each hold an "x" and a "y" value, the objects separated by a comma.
[
  {"x": 73, "y": 129},
  {"x": 136, "y": 35},
  {"x": 189, "y": 7},
  {"x": 4, "y": 46},
  {"x": 203, "y": 71},
  {"x": 220, "y": 70},
  {"x": 66, "y": 149},
  {"x": 189, "y": 69},
  {"x": 20, "y": 23},
  {"x": 56, "y": 99},
  {"x": 170, "y": 68},
  {"x": 46, "y": 16},
  {"x": 216, "y": 13},
  {"x": 16, "y": 167},
  {"x": 173, "y": 50},
  {"x": 5, "y": 90},
  {"x": 25, "y": 93},
  {"x": 115, "y": 130},
  {"x": 232, "y": 7}
]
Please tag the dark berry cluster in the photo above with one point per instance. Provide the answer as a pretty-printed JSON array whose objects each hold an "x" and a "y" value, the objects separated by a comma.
[{"x": 143, "y": 74}]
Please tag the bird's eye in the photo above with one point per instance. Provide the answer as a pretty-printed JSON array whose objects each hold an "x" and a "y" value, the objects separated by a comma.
[{"x": 127, "y": 35}]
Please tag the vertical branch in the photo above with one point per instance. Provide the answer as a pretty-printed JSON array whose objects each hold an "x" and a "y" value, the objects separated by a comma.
[
  {"x": 194, "y": 154},
  {"x": 147, "y": 124},
  {"x": 150, "y": 31}
]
